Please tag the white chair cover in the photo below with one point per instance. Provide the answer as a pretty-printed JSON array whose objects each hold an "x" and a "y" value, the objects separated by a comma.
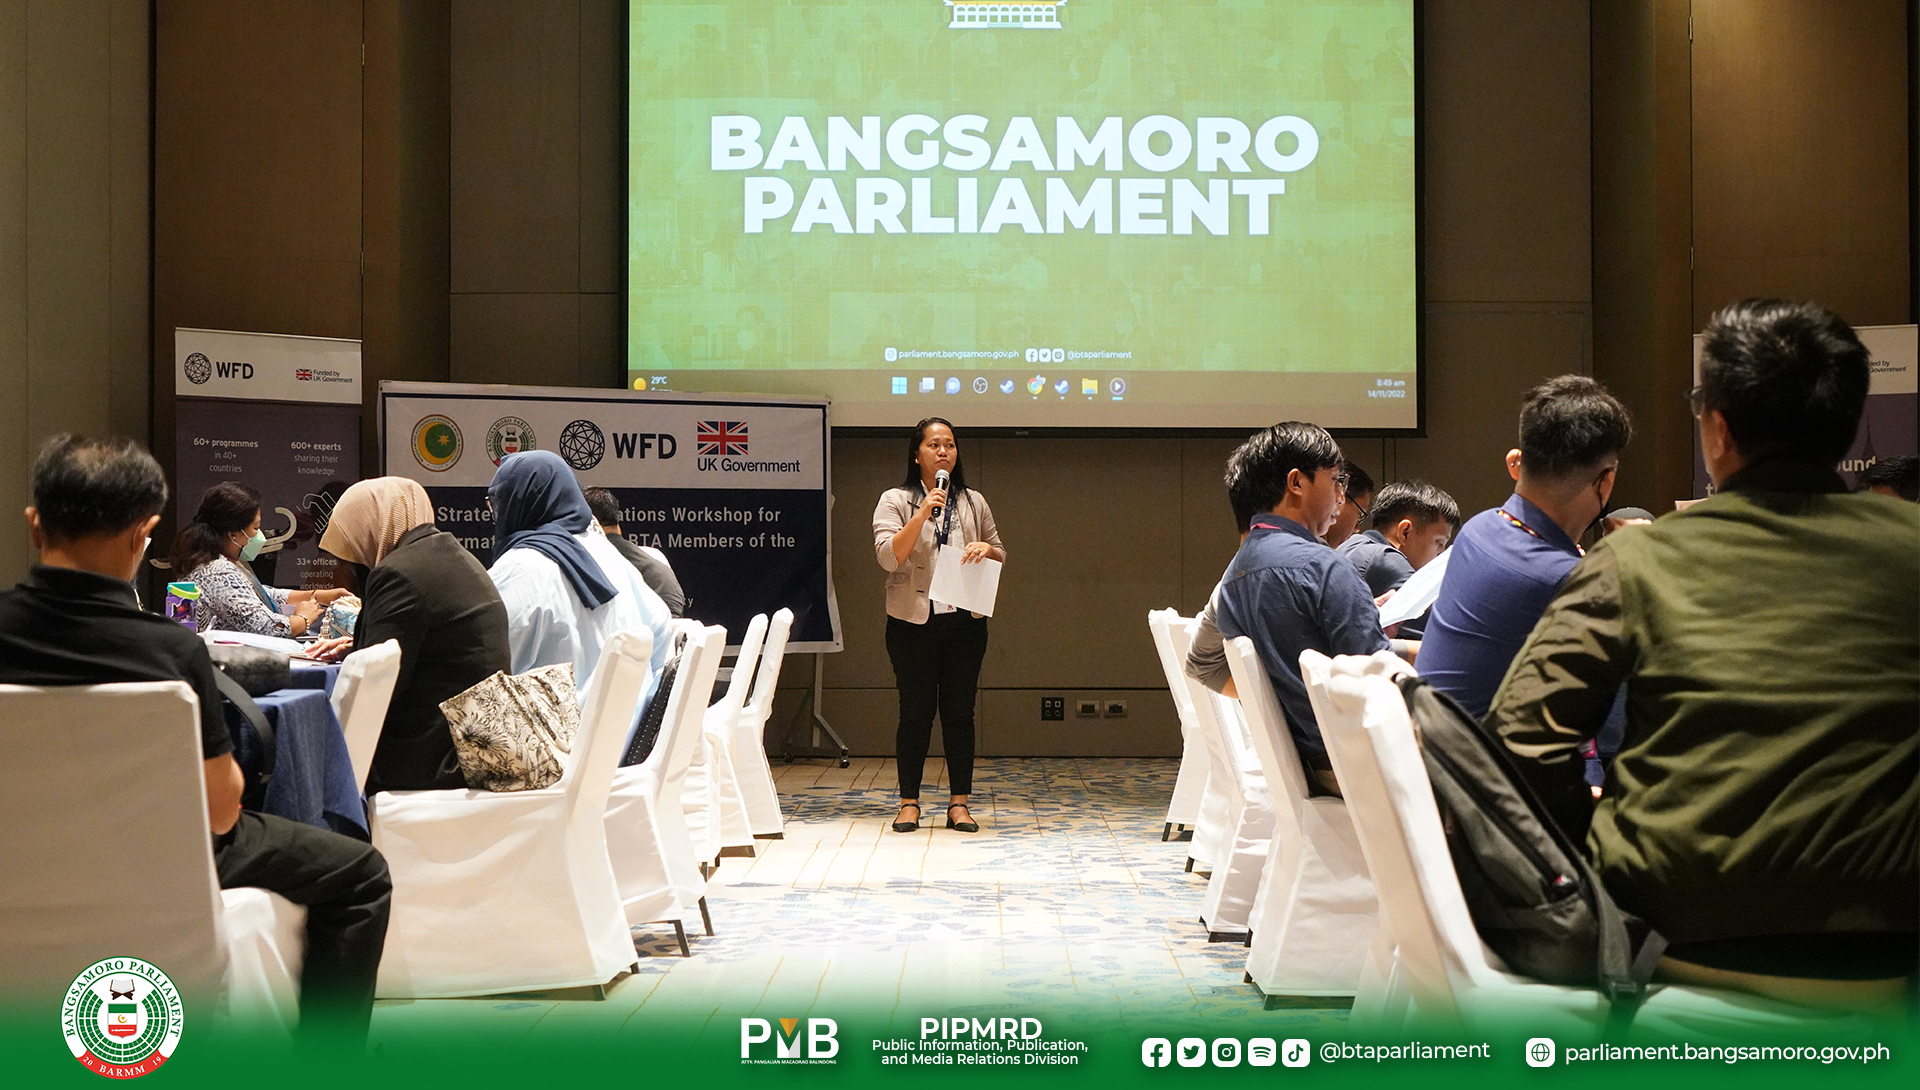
[
  {"x": 653, "y": 855},
  {"x": 1211, "y": 827},
  {"x": 1442, "y": 972},
  {"x": 1190, "y": 786},
  {"x": 1227, "y": 909},
  {"x": 360, "y": 697},
  {"x": 513, "y": 891},
  {"x": 266, "y": 941},
  {"x": 716, "y": 812},
  {"x": 749, "y": 747},
  {"x": 105, "y": 848}
]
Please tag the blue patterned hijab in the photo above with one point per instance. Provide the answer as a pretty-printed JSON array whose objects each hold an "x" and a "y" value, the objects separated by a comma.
[{"x": 537, "y": 504}]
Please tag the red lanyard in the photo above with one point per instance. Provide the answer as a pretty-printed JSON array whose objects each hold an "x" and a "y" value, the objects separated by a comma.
[{"x": 1505, "y": 514}]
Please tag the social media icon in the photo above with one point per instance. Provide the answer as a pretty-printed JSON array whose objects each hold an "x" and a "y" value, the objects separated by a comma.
[
  {"x": 1541, "y": 1052},
  {"x": 1226, "y": 1052},
  {"x": 1033, "y": 355},
  {"x": 1296, "y": 1052},
  {"x": 1090, "y": 386},
  {"x": 926, "y": 384},
  {"x": 1061, "y": 387},
  {"x": 1117, "y": 387},
  {"x": 892, "y": 354},
  {"x": 899, "y": 384},
  {"x": 1006, "y": 386},
  {"x": 1192, "y": 1052},
  {"x": 1262, "y": 1052},
  {"x": 1156, "y": 1052},
  {"x": 953, "y": 385},
  {"x": 979, "y": 384},
  {"x": 1036, "y": 384},
  {"x": 1059, "y": 355}
]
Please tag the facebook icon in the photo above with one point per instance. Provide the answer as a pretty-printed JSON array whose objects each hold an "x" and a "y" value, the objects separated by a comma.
[{"x": 1156, "y": 1052}]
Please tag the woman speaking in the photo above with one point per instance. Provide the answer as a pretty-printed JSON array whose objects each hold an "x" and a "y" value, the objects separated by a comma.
[{"x": 936, "y": 649}]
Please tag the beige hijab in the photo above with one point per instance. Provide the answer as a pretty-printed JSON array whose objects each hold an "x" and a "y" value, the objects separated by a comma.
[{"x": 371, "y": 517}]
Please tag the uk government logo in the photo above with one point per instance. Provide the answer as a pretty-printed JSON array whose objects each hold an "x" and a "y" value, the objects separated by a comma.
[
  {"x": 509, "y": 435},
  {"x": 122, "y": 1018},
  {"x": 583, "y": 444},
  {"x": 780, "y": 1041},
  {"x": 436, "y": 443}
]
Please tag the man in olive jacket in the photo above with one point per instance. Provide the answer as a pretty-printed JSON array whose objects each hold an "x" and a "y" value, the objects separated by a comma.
[{"x": 1762, "y": 812}]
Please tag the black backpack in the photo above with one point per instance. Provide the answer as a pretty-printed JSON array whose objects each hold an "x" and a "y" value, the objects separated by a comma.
[{"x": 1534, "y": 899}]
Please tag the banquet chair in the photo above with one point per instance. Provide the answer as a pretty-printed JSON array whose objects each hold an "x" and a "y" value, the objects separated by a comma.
[
  {"x": 361, "y": 695},
  {"x": 1438, "y": 970},
  {"x": 1210, "y": 828},
  {"x": 1190, "y": 786},
  {"x": 513, "y": 891},
  {"x": 106, "y": 853},
  {"x": 1233, "y": 887},
  {"x": 646, "y": 829},
  {"x": 716, "y": 813},
  {"x": 749, "y": 746}
]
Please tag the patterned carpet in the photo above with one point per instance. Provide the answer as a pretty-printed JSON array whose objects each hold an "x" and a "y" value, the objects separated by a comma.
[{"x": 1067, "y": 900}]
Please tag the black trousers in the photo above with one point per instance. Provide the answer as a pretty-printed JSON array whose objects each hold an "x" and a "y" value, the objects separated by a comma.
[
  {"x": 343, "y": 884},
  {"x": 937, "y": 668}
]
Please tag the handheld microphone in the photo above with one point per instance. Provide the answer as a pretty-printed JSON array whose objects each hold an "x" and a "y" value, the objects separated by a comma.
[{"x": 940, "y": 479}]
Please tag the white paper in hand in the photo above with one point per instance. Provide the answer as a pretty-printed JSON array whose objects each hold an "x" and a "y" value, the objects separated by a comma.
[
  {"x": 971, "y": 587},
  {"x": 1417, "y": 593}
]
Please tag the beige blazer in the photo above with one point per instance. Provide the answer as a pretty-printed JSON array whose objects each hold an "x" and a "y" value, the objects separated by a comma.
[{"x": 907, "y": 583}]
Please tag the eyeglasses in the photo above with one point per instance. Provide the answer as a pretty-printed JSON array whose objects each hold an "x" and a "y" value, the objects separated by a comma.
[
  {"x": 1363, "y": 507},
  {"x": 1697, "y": 400},
  {"x": 1340, "y": 481}
]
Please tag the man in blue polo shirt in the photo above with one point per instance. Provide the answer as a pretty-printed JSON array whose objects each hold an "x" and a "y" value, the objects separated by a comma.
[
  {"x": 1509, "y": 562},
  {"x": 1285, "y": 589}
]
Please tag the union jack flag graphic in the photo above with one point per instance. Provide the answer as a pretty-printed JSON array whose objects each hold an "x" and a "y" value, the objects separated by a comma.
[
  {"x": 304, "y": 374},
  {"x": 726, "y": 438}
]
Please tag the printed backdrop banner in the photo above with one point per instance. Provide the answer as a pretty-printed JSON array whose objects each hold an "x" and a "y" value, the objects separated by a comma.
[
  {"x": 732, "y": 488},
  {"x": 265, "y": 366},
  {"x": 299, "y": 457}
]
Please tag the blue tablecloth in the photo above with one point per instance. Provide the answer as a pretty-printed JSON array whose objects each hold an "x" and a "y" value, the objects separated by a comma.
[
  {"x": 314, "y": 675},
  {"x": 313, "y": 773}
]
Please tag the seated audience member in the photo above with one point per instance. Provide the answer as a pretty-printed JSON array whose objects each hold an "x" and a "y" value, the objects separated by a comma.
[
  {"x": 423, "y": 590},
  {"x": 1286, "y": 590},
  {"x": 653, "y": 567},
  {"x": 213, "y": 552},
  {"x": 1509, "y": 562},
  {"x": 1412, "y": 523},
  {"x": 1897, "y": 477},
  {"x": 1207, "y": 655},
  {"x": 77, "y": 621},
  {"x": 566, "y": 590},
  {"x": 1353, "y": 508},
  {"x": 1762, "y": 810}
]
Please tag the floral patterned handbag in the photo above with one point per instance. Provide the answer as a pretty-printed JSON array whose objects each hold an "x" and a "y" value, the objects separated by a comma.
[{"x": 514, "y": 732}]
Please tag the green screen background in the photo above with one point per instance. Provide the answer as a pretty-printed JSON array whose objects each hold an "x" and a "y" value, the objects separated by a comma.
[{"x": 1234, "y": 330}]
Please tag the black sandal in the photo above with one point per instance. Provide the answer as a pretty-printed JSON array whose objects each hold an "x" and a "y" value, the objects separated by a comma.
[
  {"x": 908, "y": 826},
  {"x": 961, "y": 826}
]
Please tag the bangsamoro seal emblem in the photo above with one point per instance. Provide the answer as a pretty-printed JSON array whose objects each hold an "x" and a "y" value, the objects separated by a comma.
[{"x": 122, "y": 1018}]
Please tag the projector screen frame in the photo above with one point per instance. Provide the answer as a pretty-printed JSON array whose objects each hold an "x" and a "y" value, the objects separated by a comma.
[{"x": 997, "y": 431}]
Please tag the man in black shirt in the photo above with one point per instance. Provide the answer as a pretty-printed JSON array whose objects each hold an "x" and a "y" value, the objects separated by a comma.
[
  {"x": 77, "y": 621},
  {"x": 657, "y": 573}
]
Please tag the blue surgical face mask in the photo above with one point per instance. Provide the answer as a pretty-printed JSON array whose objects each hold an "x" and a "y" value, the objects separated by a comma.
[{"x": 253, "y": 546}]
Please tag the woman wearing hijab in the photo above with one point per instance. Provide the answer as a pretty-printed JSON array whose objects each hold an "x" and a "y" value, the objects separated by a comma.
[
  {"x": 566, "y": 589},
  {"x": 213, "y": 552},
  {"x": 420, "y": 588}
]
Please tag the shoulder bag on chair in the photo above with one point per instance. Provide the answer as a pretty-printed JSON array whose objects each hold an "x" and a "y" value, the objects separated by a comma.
[
  {"x": 514, "y": 732},
  {"x": 242, "y": 673},
  {"x": 1534, "y": 899}
]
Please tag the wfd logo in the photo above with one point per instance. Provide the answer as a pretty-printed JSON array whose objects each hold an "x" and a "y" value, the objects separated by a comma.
[{"x": 821, "y": 1046}]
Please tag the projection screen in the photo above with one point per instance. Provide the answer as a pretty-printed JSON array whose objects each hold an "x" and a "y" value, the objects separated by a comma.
[{"x": 1060, "y": 213}]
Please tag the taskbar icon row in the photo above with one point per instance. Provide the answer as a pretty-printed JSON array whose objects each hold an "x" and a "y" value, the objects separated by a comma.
[{"x": 1115, "y": 388}]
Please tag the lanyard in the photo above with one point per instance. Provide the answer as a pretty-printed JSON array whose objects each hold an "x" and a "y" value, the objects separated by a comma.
[{"x": 1505, "y": 514}]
